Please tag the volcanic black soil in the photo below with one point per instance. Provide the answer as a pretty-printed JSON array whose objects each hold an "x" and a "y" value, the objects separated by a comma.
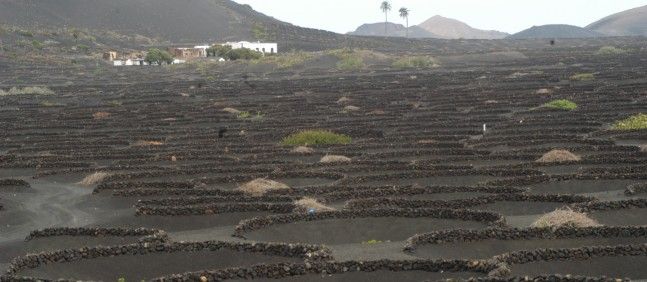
[{"x": 147, "y": 148}]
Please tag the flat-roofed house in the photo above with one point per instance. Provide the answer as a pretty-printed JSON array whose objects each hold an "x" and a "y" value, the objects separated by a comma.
[
  {"x": 265, "y": 48},
  {"x": 187, "y": 53}
]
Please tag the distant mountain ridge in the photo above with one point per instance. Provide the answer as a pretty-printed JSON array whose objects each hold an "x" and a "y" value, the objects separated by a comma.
[
  {"x": 455, "y": 29},
  {"x": 555, "y": 31},
  {"x": 632, "y": 22},
  {"x": 393, "y": 30},
  {"x": 434, "y": 27},
  {"x": 178, "y": 21}
]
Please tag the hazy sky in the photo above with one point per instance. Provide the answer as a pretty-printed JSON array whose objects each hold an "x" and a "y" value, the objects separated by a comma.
[{"x": 504, "y": 15}]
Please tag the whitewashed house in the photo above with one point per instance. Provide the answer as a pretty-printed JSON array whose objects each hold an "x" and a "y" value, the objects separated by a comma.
[
  {"x": 203, "y": 49},
  {"x": 265, "y": 48}
]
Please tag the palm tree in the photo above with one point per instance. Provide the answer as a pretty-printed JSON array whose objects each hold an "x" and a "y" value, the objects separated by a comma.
[
  {"x": 385, "y": 7},
  {"x": 404, "y": 13}
]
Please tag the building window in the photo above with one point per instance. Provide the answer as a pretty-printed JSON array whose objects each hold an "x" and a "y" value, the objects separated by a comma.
[{"x": 272, "y": 51}]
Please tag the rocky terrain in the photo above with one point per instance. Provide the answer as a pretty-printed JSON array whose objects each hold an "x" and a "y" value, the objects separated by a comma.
[{"x": 503, "y": 161}]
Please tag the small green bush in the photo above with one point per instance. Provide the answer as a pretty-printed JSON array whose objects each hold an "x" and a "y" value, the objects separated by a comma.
[
  {"x": 315, "y": 137},
  {"x": 115, "y": 103},
  {"x": 562, "y": 104},
  {"x": 25, "y": 33},
  {"x": 582, "y": 77},
  {"x": 35, "y": 90},
  {"x": 218, "y": 51},
  {"x": 371, "y": 242},
  {"x": 226, "y": 52},
  {"x": 83, "y": 48},
  {"x": 419, "y": 62},
  {"x": 243, "y": 54},
  {"x": 634, "y": 122},
  {"x": 49, "y": 104},
  {"x": 348, "y": 59},
  {"x": 610, "y": 51},
  {"x": 244, "y": 115},
  {"x": 350, "y": 63},
  {"x": 37, "y": 44},
  {"x": 249, "y": 116}
]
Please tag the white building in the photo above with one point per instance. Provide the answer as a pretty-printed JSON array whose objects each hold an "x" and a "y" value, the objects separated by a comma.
[
  {"x": 203, "y": 49},
  {"x": 265, "y": 48}
]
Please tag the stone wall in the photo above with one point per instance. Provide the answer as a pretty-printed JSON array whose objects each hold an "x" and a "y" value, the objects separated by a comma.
[
  {"x": 215, "y": 209},
  {"x": 256, "y": 223},
  {"x": 613, "y": 205},
  {"x": 446, "y": 236},
  {"x": 145, "y": 234},
  {"x": 307, "y": 252},
  {"x": 276, "y": 271},
  {"x": 463, "y": 203}
]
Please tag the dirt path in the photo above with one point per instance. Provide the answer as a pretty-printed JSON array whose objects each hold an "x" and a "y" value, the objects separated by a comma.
[{"x": 47, "y": 204}]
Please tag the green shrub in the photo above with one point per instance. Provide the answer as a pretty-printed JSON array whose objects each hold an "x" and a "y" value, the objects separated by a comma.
[
  {"x": 35, "y": 90},
  {"x": 37, "y": 44},
  {"x": 415, "y": 62},
  {"x": 83, "y": 48},
  {"x": 249, "y": 116},
  {"x": 243, "y": 54},
  {"x": 610, "y": 51},
  {"x": 350, "y": 63},
  {"x": 315, "y": 137},
  {"x": 348, "y": 59},
  {"x": 562, "y": 104},
  {"x": 582, "y": 77},
  {"x": 115, "y": 103},
  {"x": 25, "y": 33},
  {"x": 158, "y": 56},
  {"x": 287, "y": 60},
  {"x": 218, "y": 51},
  {"x": 634, "y": 122},
  {"x": 226, "y": 52},
  {"x": 244, "y": 115},
  {"x": 371, "y": 242}
]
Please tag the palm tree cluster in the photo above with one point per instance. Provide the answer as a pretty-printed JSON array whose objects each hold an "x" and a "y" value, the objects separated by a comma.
[{"x": 386, "y": 8}]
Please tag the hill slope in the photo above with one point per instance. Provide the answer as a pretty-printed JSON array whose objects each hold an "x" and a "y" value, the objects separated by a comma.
[
  {"x": 454, "y": 29},
  {"x": 555, "y": 31},
  {"x": 393, "y": 30},
  {"x": 192, "y": 21},
  {"x": 627, "y": 23}
]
